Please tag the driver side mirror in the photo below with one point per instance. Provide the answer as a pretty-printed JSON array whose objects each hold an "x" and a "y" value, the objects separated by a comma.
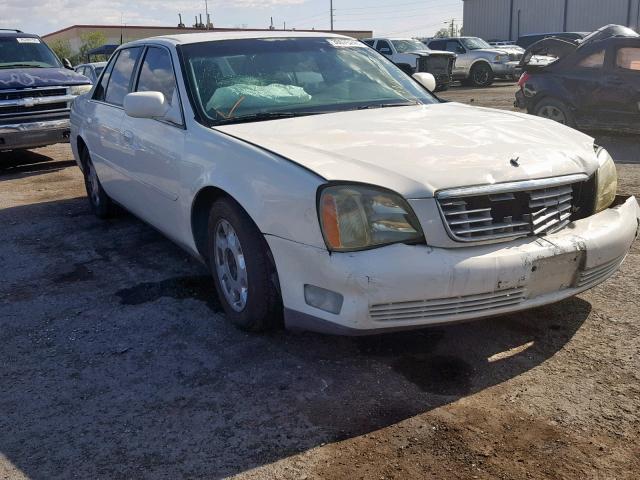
[
  {"x": 427, "y": 80},
  {"x": 145, "y": 105},
  {"x": 67, "y": 64},
  {"x": 460, "y": 49}
]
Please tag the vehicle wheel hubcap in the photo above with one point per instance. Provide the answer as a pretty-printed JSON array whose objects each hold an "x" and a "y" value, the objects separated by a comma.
[
  {"x": 230, "y": 266},
  {"x": 481, "y": 76},
  {"x": 553, "y": 113},
  {"x": 94, "y": 185}
]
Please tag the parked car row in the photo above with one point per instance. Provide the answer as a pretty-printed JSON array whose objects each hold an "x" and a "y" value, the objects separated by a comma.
[{"x": 327, "y": 190}]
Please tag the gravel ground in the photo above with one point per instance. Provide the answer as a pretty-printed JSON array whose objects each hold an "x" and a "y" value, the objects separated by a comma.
[{"x": 116, "y": 363}]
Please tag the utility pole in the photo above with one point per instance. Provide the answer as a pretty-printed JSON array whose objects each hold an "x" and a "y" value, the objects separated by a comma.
[
  {"x": 453, "y": 28},
  {"x": 331, "y": 13}
]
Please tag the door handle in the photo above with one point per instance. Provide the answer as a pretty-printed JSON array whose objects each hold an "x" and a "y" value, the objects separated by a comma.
[{"x": 128, "y": 136}]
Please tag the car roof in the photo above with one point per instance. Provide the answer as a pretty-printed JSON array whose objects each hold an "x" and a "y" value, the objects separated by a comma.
[
  {"x": 16, "y": 33},
  {"x": 187, "y": 38}
]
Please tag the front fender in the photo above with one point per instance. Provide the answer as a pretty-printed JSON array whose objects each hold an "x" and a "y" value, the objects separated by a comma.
[{"x": 278, "y": 195}]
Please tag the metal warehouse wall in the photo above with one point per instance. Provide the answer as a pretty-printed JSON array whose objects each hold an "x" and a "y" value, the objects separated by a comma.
[{"x": 508, "y": 19}]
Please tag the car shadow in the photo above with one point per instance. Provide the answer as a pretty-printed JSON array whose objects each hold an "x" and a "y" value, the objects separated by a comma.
[
  {"x": 117, "y": 363},
  {"x": 27, "y": 163}
]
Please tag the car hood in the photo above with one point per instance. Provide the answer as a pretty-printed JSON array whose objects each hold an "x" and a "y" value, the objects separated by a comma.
[
  {"x": 490, "y": 51},
  {"x": 418, "y": 150},
  {"x": 39, "y": 77}
]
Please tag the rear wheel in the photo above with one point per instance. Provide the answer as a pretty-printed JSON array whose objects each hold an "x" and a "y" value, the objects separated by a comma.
[
  {"x": 555, "y": 110},
  {"x": 481, "y": 75},
  {"x": 101, "y": 205},
  {"x": 242, "y": 269}
]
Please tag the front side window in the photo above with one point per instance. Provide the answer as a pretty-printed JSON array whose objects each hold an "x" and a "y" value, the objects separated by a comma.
[
  {"x": 27, "y": 52},
  {"x": 453, "y": 46},
  {"x": 120, "y": 83},
  {"x": 235, "y": 79},
  {"x": 156, "y": 75},
  {"x": 406, "y": 46},
  {"x": 628, "y": 59},
  {"x": 595, "y": 60}
]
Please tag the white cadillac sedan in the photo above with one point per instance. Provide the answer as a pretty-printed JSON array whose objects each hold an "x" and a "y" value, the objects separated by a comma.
[{"x": 327, "y": 190}]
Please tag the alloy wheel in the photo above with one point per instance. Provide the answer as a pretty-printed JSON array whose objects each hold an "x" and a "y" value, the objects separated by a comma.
[
  {"x": 94, "y": 184},
  {"x": 553, "y": 113}
]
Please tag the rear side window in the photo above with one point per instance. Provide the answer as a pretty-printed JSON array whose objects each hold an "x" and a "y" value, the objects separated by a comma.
[
  {"x": 437, "y": 45},
  {"x": 120, "y": 81},
  {"x": 369, "y": 42},
  {"x": 628, "y": 58},
  {"x": 156, "y": 75},
  {"x": 595, "y": 60}
]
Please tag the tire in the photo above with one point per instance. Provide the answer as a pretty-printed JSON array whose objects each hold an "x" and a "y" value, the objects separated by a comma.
[
  {"x": 250, "y": 296},
  {"x": 101, "y": 205},
  {"x": 555, "y": 110},
  {"x": 442, "y": 88},
  {"x": 481, "y": 75}
]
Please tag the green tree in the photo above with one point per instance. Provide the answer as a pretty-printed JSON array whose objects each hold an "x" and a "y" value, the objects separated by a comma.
[
  {"x": 62, "y": 48},
  {"x": 443, "y": 33},
  {"x": 89, "y": 41}
]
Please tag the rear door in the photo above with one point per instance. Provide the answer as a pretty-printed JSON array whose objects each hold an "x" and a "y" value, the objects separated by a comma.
[
  {"x": 582, "y": 83},
  {"x": 622, "y": 84},
  {"x": 105, "y": 125}
]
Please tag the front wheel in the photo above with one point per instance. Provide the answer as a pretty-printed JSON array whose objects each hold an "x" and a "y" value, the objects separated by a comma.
[
  {"x": 481, "y": 75},
  {"x": 244, "y": 275}
]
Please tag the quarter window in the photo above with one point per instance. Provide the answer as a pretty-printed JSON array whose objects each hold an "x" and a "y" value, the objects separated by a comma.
[
  {"x": 595, "y": 60},
  {"x": 102, "y": 86},
  {"x": 120, "y": 82},
  {"x": 156, "y": 75},
  {"x": 628, "y": 58}
]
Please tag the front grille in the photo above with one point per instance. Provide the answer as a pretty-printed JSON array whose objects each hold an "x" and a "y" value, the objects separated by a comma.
[
  {"x": 515, "y": 56},
  {"x": 483, "y": 303},
  {"x": 32, "y": 93},
  {"x": 436, "y": 64},
  {"x": 31, "y": 101},
  {"x": 506, "y": 211}
]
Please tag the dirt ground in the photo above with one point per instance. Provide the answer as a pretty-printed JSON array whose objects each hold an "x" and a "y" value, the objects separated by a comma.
[{"x": 115, "y": 363}]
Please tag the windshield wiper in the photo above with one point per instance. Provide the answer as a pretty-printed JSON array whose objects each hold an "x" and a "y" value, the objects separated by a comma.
[
  {"x": 386, "y": 105},
  {"x": 18, "y": 65},
  {"x": 258, "y": 117}
]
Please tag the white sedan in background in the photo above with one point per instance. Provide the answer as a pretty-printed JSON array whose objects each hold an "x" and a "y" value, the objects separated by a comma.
[{"x": 324, "y": 187}]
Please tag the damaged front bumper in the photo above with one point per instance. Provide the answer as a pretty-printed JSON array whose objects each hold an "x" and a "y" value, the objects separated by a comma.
[
  {"x": 31, "y": 134},
  {"x": 411, "y": 286}
]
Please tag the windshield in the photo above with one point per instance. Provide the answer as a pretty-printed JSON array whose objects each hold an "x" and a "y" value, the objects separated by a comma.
[
  {"x": 256, "y": 78},
  {"x": 406, "y": 46},
  {"x": 26, "y": 52},
  {"x": 474, "y": 43}
]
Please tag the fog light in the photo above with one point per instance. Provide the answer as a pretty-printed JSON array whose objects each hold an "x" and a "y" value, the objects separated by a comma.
[{"x": 323, "y": 299}]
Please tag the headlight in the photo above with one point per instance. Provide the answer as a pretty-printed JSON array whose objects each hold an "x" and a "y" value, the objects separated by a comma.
[
  {"x": 501, "y": 58},
  {"x": 357, "y": 217},
  {"x": 79, "y": 89},
  {"x": 606, "y": 181}
]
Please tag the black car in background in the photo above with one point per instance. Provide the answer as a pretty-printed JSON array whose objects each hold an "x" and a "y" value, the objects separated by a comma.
[
  {"x": 592, "y": 85},
  {"x": 525, "y": 41}
]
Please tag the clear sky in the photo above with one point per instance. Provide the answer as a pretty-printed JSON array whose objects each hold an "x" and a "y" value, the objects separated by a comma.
[{"x": 385, "y": 17}]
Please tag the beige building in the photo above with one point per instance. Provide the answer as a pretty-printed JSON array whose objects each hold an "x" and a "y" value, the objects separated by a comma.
[{"x": 115, "y": 33}]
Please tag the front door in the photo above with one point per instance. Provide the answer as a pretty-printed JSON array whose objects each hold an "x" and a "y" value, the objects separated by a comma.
[{"x": 622, "y": 87}]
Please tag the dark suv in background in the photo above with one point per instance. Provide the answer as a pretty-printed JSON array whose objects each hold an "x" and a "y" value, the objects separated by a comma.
[{"x": 36, "y": 91}]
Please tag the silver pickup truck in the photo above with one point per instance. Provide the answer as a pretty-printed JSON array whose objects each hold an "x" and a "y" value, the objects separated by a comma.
[
  {"x": 36, "y": 91},
  {"x": 478, "y": 63}
]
